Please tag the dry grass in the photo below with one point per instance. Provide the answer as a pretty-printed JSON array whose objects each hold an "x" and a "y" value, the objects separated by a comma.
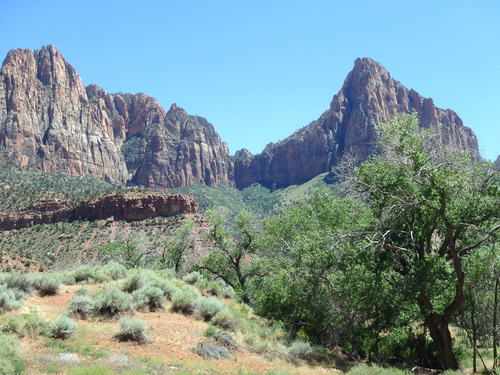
[{"x": 172, "y": 337}]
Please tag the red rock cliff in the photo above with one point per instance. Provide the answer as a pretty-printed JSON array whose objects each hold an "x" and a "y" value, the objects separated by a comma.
[
  {"x": 117, "y": 206},
  {"x": 369, "y": 96}
]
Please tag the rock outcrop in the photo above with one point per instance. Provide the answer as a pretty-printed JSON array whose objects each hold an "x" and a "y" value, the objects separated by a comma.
[
  {"x": 119, "y": 207},
  {"x": 369, "y": 96},
  {"x": 49, "y": 119}
]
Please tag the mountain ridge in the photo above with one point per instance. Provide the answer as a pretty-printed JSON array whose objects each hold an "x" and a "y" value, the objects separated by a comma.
[{"x": 49, "y": 119}]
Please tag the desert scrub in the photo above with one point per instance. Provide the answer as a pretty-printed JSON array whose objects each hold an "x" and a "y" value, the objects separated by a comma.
[
  {"x": 184, "y": 299},
  {"x": 300, "y": 349},
  {"x": 226, "y": 319},
  {"x": 228, "y": 292},
  {"x": 47, "y": 285},
  {"x": 34, "y": 325},
  {"x": 14, "y": 326},
  {"x": 62, "y": 328},
  {"x": 111, "y": 300},
  {"x": 81, "y": 306},
  {"x": 208, "y": 307},
  {"x": 21, "y": 281},
  {"x": 11, "y": 361},
  {"x": 149, "y": 296},
  {"x": 209, "y": 286},
  {"x": 10, "y": 298},
  {"x": 113, "y": 271},
  {"x": 193, "y": 278},
  {"x": 132, "y": 330}
]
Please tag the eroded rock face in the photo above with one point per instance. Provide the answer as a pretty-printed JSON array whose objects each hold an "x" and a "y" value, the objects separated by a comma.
[
  {"x": 117, "y": 206},
  {"x": 49, "y": 119},
  {"x": 369, "y": 96},
  {"x": 46, "y": 118}
]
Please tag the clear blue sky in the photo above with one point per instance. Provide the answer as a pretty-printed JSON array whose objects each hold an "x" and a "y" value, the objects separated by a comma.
[{"x": 259, "y": 70}]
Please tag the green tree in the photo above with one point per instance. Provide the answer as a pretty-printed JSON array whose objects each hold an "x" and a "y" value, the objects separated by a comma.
[
  {"x": 233, "y": 258},
  {"x": 175, "y": 246},
  {"x": 130, "y": 250},
  {"x": 434, "y": 207},
  {"x": 319, "y": 282}
]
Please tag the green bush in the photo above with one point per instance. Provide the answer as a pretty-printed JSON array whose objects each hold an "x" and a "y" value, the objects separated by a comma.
[
  {"x": 150, "y": 296},
  {"x": 114, "y": 270},
  {"x": 22, "y": 281},
  {"x": 15, "y": 326},
  {"x": 82, "y": 291},
  {"x": 83, "y": 273},
  {"x": 300, "y": 349},
  {"x": 11, "y": 361},
  {"x": 364, "y": 369},
  {"x": 184, "y": 299},
  {"x": 62, "y": 328},
  {"x": 209, "y": 307},
  {"x": 225, "y": 319},
  {"x": 81, "y": 306},
  {"x": 193, "y": 277},
  {"x": 47, "y": 285},
  {"x": 132, "y": 330},
  {"x": 34, "y": 325},
  {"x": 133, "y": 282},
  {"x": 228, "y": 292},
  {"x": 111, "y": 300},
  {"x": 10, "y": 298}
]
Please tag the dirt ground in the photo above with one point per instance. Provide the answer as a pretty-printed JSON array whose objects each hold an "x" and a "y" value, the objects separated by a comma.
[{"x": 171, "y": 335}]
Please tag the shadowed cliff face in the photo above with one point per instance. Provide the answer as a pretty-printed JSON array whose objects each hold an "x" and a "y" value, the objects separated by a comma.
[
  {"x": 369, "y": 96},
  {"x": 50, "y": 120}
]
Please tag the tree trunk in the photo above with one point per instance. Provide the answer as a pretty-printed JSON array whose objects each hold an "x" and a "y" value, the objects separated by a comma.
[
  {"x": 495, "y": 323},
  {"x": 474, "y": 338},
  {"x": 440, "y": 334}
]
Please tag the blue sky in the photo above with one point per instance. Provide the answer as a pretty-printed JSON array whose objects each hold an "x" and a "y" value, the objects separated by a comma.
[{"x": 259, "y": 70}]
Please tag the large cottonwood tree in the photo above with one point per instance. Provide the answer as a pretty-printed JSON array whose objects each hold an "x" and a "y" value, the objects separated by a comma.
[{"x": 434, "y": 207}]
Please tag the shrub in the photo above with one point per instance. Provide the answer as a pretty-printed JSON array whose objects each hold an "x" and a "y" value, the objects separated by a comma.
[
  {"x": 208, "y": 307},
  {"x": 211, "y": 331},
  {"x": 11, "y": 360},
  {"x": 114, "y": 270},
  {"x": 34, "y": 325},
  {"x": 209, "y": 286},
  {"x": 193, "y": 277},
  {"x": 21, "y": 281},
  {"x": 300, "y": 349},
  {"x": 133, "y": 282},
  {"x": 364, "y": 369},
  {"x": 82, "y": 291},
  {"x": 184, "y": 299},
  {"x": 81, "y": 306},
  {"x": 83, "y": 273},
  {"x": 228, "y": 292},
  {"x": 47, "y": 285},
  {"x": 62, "y": 328},
  {"x": 9, "y": 298},
  {"x": 211, "y": 351},
  {"x": 132, "y": 330},
  {"x": 225, "y": 319},
  {"x": 112, "y": 300},
  {"x": 15, "y": 326},
  {"x": 150, "y": 296}
]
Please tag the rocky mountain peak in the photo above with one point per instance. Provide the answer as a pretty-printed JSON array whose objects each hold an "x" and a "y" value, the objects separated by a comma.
[
  {"x": 50, "y": 120},
  {"x": 368, "y": 97}
]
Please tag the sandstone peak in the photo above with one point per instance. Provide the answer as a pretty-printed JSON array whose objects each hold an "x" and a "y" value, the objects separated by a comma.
[{"x": 368, "y": 97}]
